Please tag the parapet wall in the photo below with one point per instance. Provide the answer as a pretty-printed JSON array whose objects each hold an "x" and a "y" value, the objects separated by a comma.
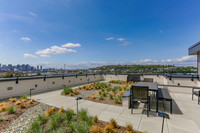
[
  {"x": 163, "y": 80},
  {"x": 9, "y": 87}
]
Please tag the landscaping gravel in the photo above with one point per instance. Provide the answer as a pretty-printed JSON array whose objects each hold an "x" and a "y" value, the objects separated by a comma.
[{"x": 24, "y": 121}]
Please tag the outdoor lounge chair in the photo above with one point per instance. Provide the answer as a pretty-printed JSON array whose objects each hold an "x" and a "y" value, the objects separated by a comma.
[{"x": 140, "y": 94}]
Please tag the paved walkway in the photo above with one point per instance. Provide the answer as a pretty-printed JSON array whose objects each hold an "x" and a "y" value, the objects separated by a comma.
[{"x": 186, "y": 118}]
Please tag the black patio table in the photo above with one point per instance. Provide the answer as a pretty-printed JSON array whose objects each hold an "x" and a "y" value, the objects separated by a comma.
[{"x": 152, "y": 87}]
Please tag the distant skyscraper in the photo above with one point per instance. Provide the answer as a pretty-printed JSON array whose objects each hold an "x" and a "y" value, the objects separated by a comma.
[
  {"x": 0, "y": 65},
  {"x": 37, "y": 67},
  {"x": 64, "y": 66},
  {"x": 40, "y": 67}
]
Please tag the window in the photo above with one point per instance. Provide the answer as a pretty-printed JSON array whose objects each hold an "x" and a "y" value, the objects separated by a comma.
[
  {"x": 53, "y": 82},
  {"x": 35, "y": 85}
]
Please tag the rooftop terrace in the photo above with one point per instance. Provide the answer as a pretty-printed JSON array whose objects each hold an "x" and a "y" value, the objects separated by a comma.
[{"x": 185, "y": 117}]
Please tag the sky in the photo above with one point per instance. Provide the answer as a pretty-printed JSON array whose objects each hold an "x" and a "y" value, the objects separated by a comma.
[{"x": 90, "y": 33}]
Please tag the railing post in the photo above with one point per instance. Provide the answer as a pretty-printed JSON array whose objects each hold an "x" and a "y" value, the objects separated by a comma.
[
  {"x": 17, "y": 80},
  {"x": 45, "y": 78}
]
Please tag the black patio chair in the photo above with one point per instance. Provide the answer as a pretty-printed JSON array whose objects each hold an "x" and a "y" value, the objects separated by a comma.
[{"x": 140, "y": 94}]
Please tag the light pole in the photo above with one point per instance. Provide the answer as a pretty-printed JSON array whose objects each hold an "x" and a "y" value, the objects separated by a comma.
[
  {"x": 78, "y": 98},
  {"x": 163, "y": 115},
  {"x": 31, "y": 91}
]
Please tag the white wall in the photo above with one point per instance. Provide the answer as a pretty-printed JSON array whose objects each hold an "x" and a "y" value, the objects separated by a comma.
[
  {"x": 160, "y": 79},
  {"x": 24, "y": 86},
  {"x": 110, "y": 77}
]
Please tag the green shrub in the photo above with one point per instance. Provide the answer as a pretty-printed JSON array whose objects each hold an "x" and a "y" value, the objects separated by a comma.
[
  {"x": 101, "y": 85},
  {"x": 67, "y": 91},
  {"x": 120, "y": 97},
  {"x": 42, "y": 119},
  {"x": 114, "y": 89},
  {"x": 79, "y": 127},
  {"x": 104, "y": 94},
  {"x": 68, "y": 115},
  {"x": 111, "y": 96},
  {"x": 119, "y": 81},
  {"x": 55, "y": 120},
  {"x": 10, "y": 110},
  {"x": 102, "y": 90},
  {"x": 101, "y": 98},
  {"x": 24, "y": 97},
  {"x": 116, "y": 99},
  {"x": 53, "y": 123},
  {"x": 118, "y": 88},
  {"x": 124, "y": 88},
  {"x": 83, "y": 116},
  {"x": 35, "y": 127},
  {"x": 109, "y": 89}
]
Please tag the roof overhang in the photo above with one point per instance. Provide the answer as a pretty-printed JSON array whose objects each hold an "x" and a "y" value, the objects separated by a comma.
[{"x": 194, "y": 49}]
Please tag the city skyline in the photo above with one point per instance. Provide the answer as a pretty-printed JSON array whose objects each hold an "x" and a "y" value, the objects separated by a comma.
[{"x": 84, "y": 34}]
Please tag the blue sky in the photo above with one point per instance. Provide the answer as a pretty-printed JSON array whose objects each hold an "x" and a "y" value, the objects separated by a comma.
[{"x": 88, "y": 33}]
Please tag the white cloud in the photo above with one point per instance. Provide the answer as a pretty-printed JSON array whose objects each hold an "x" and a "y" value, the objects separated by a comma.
[
  {"x": 125, "y": 43},
  {"x": 25, "y": 39},
  {"x": 110, "y": 38},
  {"x": 185, "y": 60},
  {"x": 45, "y": 55},
  {"x": 7, "y": 16},
  {"x": 54, "y": 50},
  {"x": 32, "y": 14},
  {"x": 29, "y": 56},
  {"x": 120, "y": 39},
  {"x": 71, "y": 45}
]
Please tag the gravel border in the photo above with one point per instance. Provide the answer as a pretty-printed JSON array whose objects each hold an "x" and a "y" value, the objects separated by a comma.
[{"x": 23, "y": 122}]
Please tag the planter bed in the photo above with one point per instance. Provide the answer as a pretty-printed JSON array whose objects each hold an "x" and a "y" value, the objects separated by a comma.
[
  {"x": 106, "y": 93},
  {"x": 11, "y": 109},
  {"x": 61, "y": 121}
]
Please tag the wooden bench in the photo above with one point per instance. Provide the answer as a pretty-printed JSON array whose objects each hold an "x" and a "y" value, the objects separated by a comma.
[
  {"x": 196, "y": 93},
  {"x": 163, "y": 94}
]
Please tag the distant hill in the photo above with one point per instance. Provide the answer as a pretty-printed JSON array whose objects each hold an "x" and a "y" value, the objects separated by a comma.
[{"x": 144, "y": 69}]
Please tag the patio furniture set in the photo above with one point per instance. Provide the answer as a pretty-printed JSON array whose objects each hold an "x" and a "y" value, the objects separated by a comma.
[{"x": 140, "y": 92}]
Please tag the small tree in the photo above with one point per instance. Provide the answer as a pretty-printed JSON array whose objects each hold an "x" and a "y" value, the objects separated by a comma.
[{"x": 38, "y": 73}]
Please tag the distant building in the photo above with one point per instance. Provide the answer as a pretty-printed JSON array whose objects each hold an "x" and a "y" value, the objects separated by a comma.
[
  {"x": 40, "y": 67},
  {"x": 37, "y": 67}
]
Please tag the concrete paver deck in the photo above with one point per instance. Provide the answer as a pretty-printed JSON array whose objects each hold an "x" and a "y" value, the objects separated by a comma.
[{"x": 185, "y": 117}]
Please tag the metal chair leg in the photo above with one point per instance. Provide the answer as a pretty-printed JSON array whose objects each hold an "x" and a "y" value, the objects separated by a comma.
[
  {"x": 147, "y": 109},
  {"x": 171, "y": 106},
  {"x": 149, "y": 103},
  {"x": 132, "y": 107}
]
